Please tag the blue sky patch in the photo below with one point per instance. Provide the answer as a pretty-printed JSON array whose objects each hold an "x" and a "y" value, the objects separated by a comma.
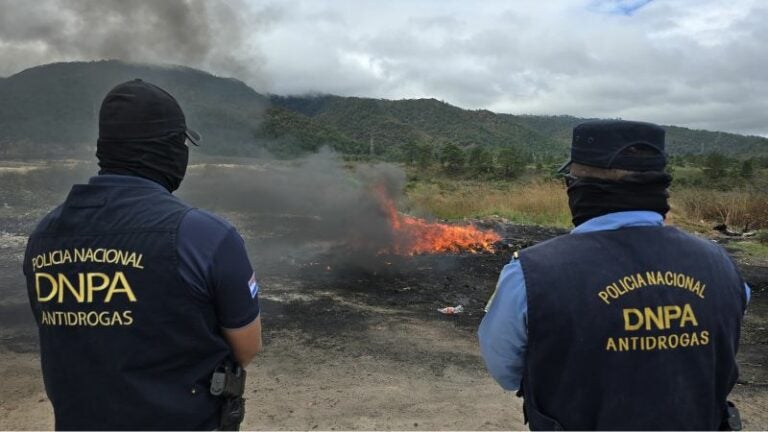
[{"x": 617, "y": 7}]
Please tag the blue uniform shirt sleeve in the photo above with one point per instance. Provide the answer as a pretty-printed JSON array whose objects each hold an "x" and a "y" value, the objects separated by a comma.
[
  {"x": 214, "y": 263},
  {"x": 503, "y": 332}
]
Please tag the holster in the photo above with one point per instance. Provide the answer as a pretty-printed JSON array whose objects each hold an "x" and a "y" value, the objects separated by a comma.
[
  {"x": 232, "y": 414},
  {"x": 228, "y": 383},
  {"x": 732, "y": 419}
]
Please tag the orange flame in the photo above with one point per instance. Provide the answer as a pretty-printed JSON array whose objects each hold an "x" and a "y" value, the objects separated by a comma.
[{"x": 417, "y": 236}]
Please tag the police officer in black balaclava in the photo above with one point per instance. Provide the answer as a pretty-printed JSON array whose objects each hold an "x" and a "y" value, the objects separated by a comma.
[
  {"x": 623, "y": 324},
  {"x": 140, "y": 299},
  {"x": 143, "y": 133}
]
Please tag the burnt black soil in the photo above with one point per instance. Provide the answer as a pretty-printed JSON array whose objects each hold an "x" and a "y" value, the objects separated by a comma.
[
  {"x": 331, "y": 298},
  {"x": 414, "y": 287}
]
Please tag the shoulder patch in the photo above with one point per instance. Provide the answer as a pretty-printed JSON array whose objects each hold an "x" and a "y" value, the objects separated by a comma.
[{"x": 253, "y": 286}]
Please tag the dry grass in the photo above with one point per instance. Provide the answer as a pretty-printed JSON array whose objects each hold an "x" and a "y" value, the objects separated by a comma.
[
  {"x": 737, "y": 208},
  {"x": 536, "y": 202},
  {"x": 545, "y": 202}
]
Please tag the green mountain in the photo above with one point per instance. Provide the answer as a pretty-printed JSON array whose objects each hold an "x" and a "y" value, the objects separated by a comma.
[
  {"x": 390, "y": 124},
  {"x": 679, "y": 140},
  {"x": 52, "y": 111}
]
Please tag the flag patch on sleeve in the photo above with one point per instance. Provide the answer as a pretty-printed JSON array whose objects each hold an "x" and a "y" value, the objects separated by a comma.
[{"x": 253, "y": 286}]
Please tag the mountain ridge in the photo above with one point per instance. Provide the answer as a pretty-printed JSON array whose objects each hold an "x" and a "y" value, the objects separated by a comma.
[{"x": 52, "y": 110}]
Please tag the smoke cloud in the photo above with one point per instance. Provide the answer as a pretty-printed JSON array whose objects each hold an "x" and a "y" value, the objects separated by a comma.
[
  {"x": 302, "y": 207},
  {"x": 206, "y": 34}
]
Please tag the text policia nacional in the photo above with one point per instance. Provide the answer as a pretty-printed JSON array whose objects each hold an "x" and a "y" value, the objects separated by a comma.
[
  {"x": 91, "y": 288},
  {"x": 677, "y": 320}
]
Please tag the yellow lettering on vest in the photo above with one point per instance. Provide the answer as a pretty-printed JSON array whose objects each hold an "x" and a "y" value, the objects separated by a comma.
[
  {"x": 603, "y": 296},
  {"x": 704, "y": 337},
  {"x": 64, "y": 282},
  {"x": 628, "y": 283},
  {"x": 92, "y": 286},
  {"x": 672, "y": 312},
  {"x": 650, "y": 343},
  {"x": 689, "y": 281},
  {"x": 620, "y": 286},
  {"x": 662, "y": 342},
  {"x": 54, "y": 286},
  {"x": 117, "y": 319},
  {"x": 111, "y": 256},
  {"x": 688, "y": 316},
  {"x": 120, "y": 285},
  {"x": 685, "y": 339},
  {"x": 673, "y": 340},
  {"x": 656, "y": 318},
  {"x": 669, "y": 279},
  {"x": 104, "y": 319},
  {"x": 610, "y": 345},
  {"x": 651, "y": 278},
  {"x": 55, "y": 257},
  {"x": 128, "y": 317},
  {"x": 640, "y": 281},
  {"x": 628, "y": 324},
  {"x": 623, "y": 344}
]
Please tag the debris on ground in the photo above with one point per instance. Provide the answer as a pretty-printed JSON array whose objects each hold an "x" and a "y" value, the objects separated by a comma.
[{"x": 451, "y": 310}]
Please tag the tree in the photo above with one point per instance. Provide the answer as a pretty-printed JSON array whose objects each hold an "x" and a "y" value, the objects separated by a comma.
[
  {"x": 715, "y": 165},
  {"x": 747, "y": 169},
  {"x": 511, "y": 161},
  {"x": 425, "y": 155},
  {"x": 452, "y": 158},
  {"x": 480, "y": 160},
  {"x": 410, "y": 152}
]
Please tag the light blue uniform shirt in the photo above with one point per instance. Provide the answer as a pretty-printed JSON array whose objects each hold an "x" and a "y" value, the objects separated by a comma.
[{"x": 503, "y": 332}]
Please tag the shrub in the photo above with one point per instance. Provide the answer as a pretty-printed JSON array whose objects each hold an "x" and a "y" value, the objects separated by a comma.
[{"x": 738, "y": 208}]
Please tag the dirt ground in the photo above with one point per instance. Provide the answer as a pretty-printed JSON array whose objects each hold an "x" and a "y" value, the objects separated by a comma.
[{"x": 357, "y": 346}]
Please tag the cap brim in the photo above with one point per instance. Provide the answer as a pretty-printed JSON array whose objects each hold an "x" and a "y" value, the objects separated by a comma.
[
  {"x": 193, "y": 137},
  {"x": 564, "y": 168}
]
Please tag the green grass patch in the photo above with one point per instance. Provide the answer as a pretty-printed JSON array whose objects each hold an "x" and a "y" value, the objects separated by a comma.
[{"x": 752, "y": 249}]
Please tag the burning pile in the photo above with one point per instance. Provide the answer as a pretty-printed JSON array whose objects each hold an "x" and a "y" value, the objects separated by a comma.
[{"x": 413, "y": 235}]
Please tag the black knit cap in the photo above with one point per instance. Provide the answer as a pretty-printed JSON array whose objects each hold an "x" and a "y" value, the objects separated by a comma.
[
  {"x": 606, "y": 144},
  {"x": 136, "y": 110}
]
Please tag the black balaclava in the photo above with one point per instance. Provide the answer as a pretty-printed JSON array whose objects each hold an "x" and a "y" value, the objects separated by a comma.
[
  {"x": 636, "y": 147},
  {"x": 591, "y": 197},
  {"x": 163, "y": 159},
  {"x": 143, "y": 132}
]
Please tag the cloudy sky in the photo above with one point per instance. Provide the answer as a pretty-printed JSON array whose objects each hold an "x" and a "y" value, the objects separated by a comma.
[{"x": 696, "y": 63}]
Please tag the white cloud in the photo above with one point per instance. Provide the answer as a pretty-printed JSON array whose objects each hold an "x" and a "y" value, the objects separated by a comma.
[
  {"x": 696, "y": 63},
  {"x": 688, "y": 62}
]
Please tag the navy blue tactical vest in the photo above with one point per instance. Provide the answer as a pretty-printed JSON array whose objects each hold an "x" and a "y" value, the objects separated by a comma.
[
  {"x": 124, "y": 345},
  {"x": 635, "y": 328}
]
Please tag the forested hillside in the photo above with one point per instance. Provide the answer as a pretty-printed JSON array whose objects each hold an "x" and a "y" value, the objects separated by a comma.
[{"x": 52, "y": 111}]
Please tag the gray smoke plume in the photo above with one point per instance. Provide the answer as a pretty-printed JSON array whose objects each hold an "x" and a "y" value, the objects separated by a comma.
[
  {"x": 301, "y": 207},
  {"x": 208, "y": 34}
]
